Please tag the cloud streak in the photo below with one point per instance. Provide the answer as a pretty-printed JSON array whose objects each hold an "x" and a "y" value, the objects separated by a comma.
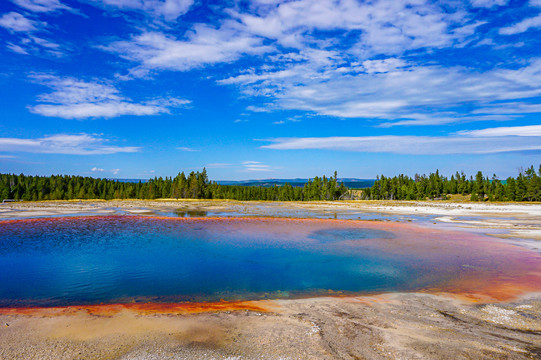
[
  {"x": 531, "y": 130},
  {"x": 187, "y": 149},
  {"x": 255, "y": 166},
  {"x": 488, "y": 142},
  {"x": 68, "y": 144},
  {"x": 169, "y": 10},
  {"x": 42, "y": 6},
  {"x": 522, "y": 26}
]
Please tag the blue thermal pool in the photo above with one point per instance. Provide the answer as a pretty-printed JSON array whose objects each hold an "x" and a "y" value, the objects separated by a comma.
[{"x": 121, "y": 259}]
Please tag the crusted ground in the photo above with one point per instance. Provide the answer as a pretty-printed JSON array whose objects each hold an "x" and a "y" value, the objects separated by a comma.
[{"x": 391, "y": 326}]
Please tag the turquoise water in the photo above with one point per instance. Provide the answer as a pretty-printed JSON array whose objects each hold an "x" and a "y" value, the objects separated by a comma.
[{"x": 121, "y": 259}]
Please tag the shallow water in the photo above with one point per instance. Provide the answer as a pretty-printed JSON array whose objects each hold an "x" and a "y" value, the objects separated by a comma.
[{"x": 90, "y": 260}]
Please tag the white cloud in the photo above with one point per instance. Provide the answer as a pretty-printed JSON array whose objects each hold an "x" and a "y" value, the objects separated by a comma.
[
  {"x": 79, "y": 144},
  {"x": 87, "y": 110},
  {"x": 42, "y": 5},
  {"x": 112, "y": 171},
  {"x": 383, "y": 66},
  {"x": 168, "y": 9},
  {"x": 419, "y": 119},
  {"x": 342, "y": 58},
  {"x": 44, "y": 43},
  {"x": 15, "y": 22},
  {"x": 414, "y": 145},
  {"x": 364, "y": 77},
  {"x": 27, "y": 42},
  {"x": 524, "y": 25},
  {"x": 530, "y": 130},
  {"x": 76, "y": 99},
  {"x": 188, "y": 149},
  {"x": 16, "y": 48},
  {"x": 30, "y": 44},
  {"x": 488, "y": 3},
  {"x": 245, "y": 166},
  {"x": 255, "y": 166},
  {"x": 387, "y": 27},
  {"x": 379, "y": 27},
  {"x": 203, "y": 46},
  {"x": 509, "y": 108},
  {"x": 397, "y": 96},
  {"x": 258, "y": 109}
]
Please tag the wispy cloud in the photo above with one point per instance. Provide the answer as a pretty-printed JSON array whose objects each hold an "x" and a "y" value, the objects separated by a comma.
[
  {"x": 27, "y": 42},
  {"x": 530, "y": 130},
  {"x": 16, "y": 48},
  {"x": 15, "y": 22},
  {"x": 372, "y": 75},
  {"x": 388, "y": 27},
  {"x": 414, "y": 145},
  {"x": 77, "y": 99},
  {"x": 509, "y": 108},
  {"x": 100, "y": 170},
  {"x": 520, "y": 27},
  {"x": 169, "y": 10},
  {"x": 78, "y": 144},
  {"x": 255, "y": 166},
  {"x": 383, "y": 66},
  {"x": 42, "y": 6},
  {"x": 488, "y": 3},
  {"x": 245, "y": 166},
  {"x": 185, "y": 148},
  {"x": 204, "y": 45},
  {"x": 397, "y": 95}
]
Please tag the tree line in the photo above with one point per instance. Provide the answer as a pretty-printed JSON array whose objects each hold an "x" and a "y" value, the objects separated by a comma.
[
  {"x": 525, "y": 187},
  {"x": 195, "y": 185}
]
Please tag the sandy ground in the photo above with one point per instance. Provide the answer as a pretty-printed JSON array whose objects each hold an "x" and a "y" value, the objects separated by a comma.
[
  {"x": 387, "y": 326},
  {"x": 392, "y": 326}
]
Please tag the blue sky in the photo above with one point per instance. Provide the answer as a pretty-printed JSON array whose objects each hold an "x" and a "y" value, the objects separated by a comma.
[{"x": 268, "y": 89}]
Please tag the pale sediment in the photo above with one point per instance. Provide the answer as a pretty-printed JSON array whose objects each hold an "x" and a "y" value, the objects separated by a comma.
[{"x": 391, "y": 326}]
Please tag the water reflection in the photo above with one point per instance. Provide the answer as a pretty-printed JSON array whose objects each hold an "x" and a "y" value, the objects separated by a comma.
[{"x": 190, "y": 213}]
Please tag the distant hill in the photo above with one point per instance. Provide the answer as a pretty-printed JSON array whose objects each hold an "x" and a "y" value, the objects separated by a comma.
[
  {"x": 128, "y": 180},
  {"x": 351, "y": 183}
]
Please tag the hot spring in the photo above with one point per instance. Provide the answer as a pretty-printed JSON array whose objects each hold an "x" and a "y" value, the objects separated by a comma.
[{"x": 122, "y": 259}]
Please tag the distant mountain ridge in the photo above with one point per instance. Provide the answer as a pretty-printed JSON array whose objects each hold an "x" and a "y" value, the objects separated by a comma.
[
  {"x": 352, "y": 183},
  {"x": 349, "y": 182}
]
